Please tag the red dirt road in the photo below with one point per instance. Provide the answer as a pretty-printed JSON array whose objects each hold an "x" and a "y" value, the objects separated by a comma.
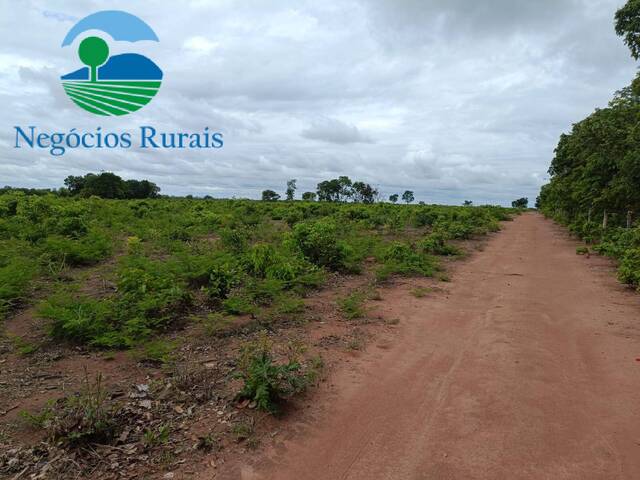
[{"x": 526, "y": 368}]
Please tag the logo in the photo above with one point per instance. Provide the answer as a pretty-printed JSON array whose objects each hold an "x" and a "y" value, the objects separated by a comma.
[{"x": 111, "y": 84}]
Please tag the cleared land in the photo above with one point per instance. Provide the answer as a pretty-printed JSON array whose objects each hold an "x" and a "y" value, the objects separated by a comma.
[{"x": 526, "y": 366}]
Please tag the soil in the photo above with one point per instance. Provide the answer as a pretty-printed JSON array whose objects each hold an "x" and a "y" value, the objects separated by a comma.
[{"x": 525, "y": 366}]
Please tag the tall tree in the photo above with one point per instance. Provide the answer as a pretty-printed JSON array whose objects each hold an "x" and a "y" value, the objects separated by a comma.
[
  {"x": 520, "y": 203},
  {"x": 291, "y": 189},
  {"x": 309, "y": 196},
  {"x": 270, "y": 196},
  {"x": 408, "y": 197},
  {"x": 628, "y": 26}
]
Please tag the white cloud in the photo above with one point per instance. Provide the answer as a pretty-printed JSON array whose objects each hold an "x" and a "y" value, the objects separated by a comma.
[
  {"x": 200, "y": 45},
  {"x": 450, "y": 98},
  {"x": 335, "y": 131}
]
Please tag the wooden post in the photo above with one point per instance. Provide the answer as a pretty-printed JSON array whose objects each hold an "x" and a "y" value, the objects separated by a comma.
[
  {"x": 604, "y": 220},
  {"x": 629, "y": 218}
]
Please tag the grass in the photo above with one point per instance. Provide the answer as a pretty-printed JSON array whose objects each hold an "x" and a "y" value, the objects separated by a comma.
[
  {"x": 352, "y": 306},
  {"x": 158, "y": 351},
  {"x": 420, "y": 292}
]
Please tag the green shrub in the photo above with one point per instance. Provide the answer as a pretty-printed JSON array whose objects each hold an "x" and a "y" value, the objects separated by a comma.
[
  {"x": 436, "y": 244},
  {"x": 238, "y": 305},
  {"x": 79, "y": 319},
  {"x": 318, "y": 242},
  {"x": 400, "y": 258},
  {"x": 266, "y": 381},
  {"x": 629, "y": 269},
  {"x": 88, "y": 250},
  {"x": 15, "y": 278}
]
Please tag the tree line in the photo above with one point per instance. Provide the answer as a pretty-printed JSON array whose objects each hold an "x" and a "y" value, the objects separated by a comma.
[
  {"x": 109, "y": 185},
  {"x": 595, "y": 173},
  {"x": 341, "y": 189},
  {"x": 104, "y": 185}
]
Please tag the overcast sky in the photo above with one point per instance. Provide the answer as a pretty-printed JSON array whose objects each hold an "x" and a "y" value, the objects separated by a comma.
[{"x": 454, "y": 99}]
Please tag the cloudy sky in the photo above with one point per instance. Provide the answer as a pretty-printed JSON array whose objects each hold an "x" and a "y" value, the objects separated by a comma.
[{"x": 454, "y": 99}]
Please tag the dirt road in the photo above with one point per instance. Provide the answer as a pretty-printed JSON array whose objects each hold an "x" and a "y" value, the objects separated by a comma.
[{"x": 525, "y": 368}]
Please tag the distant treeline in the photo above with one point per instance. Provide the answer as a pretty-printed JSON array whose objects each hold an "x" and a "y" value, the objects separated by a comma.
[
  {"x": 110, "y": 185},
  {"x": 341, "y": 189},
  {"x": 596, "y": 169},
  {"x": 104, "y": 185}
]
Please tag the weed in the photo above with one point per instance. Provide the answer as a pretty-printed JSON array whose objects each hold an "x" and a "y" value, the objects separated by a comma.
[
  {"x": 216, "y": 324},
  {"x": 420, "y": 292},
  {"x": 243, "y": 430},
  {"x": 352, "y": 306},
  {"x": 206, "y": 443},
  {"x": 582, "y": 250},
  {"x": 40, "y": 419},
  {"x": 156, "y": 351},
  {"x": 156, "y": 437},
  {"x": 80, "y": 419},
  {"x": 266, "y": 381},
  {"x": 23, "y": 347},
  {"x": 356, "y": 340}
]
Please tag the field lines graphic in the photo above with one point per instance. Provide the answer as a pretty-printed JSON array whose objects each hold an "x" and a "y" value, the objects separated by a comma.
[{"x": 111, "y": 97}]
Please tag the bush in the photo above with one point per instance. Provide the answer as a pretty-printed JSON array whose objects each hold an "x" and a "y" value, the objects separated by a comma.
[
  {"x": 15, "y": 278},
  {"x": 436, "y": 244},
  {"x": 401, "y": 258},
  {"x": 629, "y": 269},
  {"x": 267, "y": 382},
  {"x": 88, "y": 250},
  {"x": 318, "y": 242},
  {"x": 80, "y": 320}
]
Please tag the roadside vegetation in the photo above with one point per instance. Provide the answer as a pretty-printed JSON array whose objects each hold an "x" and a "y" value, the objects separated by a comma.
[{"x": 595, "y": 174}]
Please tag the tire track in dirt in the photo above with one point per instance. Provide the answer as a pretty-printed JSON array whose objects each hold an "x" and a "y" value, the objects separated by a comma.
[{"x": 524, "y": 368}]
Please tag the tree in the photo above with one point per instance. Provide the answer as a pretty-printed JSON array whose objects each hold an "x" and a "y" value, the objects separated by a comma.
[
  {"x": 270, "y": 196},
  {"x": 363, "y": 192},
  {"x": 346, "y": 190},
  {"x": 309, "y": 196},
  {"x": 627, "y": 21},
  {"x": 467, "y": 203},
  {"x": 110, "y": 185},
  {"x": 291, "y": 189},
  {"x": 141, "y": 189},
  {"x": 520, "y": 203},
  {"x": 74, "y": 184},
  {"x": 329, "y": 191},
  {"x": 408, "y": 197},
  {"x": 393, "y": 198},
  {"x": 93, "y": 52},
  {"x": 104, "y": 185}
]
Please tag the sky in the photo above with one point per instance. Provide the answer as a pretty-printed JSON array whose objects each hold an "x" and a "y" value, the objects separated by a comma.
[{"x": 453, "y": 99}]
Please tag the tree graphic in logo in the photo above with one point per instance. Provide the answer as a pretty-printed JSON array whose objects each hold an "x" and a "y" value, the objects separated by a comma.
[
  {"x": 93, "y": 52},
  {"x": 111, "y": 85}
]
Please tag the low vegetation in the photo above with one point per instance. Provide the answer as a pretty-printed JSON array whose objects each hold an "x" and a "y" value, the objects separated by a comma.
[{"x": 175, "y": 280}]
